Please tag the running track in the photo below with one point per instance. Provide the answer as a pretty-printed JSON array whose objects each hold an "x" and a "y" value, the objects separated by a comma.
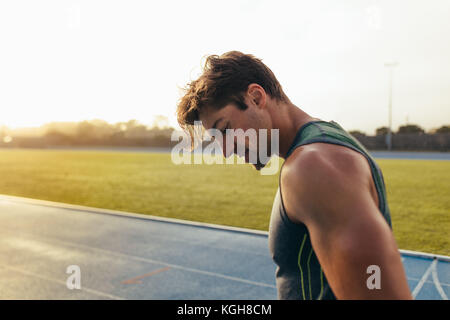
[{"x": 131, "y": 256}]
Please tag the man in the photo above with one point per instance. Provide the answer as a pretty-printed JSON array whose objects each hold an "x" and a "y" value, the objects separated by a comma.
[{"x": 330, "y": 222}]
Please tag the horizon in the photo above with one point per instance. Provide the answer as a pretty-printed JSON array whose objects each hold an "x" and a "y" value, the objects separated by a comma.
[{"x": 163, "y": 125}]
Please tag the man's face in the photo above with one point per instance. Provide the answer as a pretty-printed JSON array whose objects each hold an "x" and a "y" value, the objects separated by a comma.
[{"x": 231, "y": 117}]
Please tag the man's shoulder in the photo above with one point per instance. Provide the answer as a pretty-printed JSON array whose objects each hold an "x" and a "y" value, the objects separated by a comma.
[
  {"x": 321, "y": 173},
  {"x": 325, "y": 159}
]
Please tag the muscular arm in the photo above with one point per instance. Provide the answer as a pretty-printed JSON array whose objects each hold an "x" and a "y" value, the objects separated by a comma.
[{"x": 330, "y": 190}]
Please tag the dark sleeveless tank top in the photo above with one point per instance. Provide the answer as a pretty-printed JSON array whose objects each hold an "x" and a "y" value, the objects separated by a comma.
[{"x": 298, "y": 273}]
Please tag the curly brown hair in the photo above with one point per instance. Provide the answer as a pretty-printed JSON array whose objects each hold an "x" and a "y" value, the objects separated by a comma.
[{"x": 224, "y": 80}]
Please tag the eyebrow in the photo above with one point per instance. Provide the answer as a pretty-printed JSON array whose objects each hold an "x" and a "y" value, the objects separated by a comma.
[{"x": 216, "y": 123}]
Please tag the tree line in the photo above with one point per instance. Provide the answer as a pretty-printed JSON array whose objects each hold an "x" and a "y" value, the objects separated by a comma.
[
  {"x": 89, "y": 133},
  {"x": 405, "y": 129},
  {"x": 132, "y": 133},
  {"x": 409, "y": 137}
]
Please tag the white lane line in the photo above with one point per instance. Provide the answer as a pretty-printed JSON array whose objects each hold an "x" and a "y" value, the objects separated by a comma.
[
  {"x": 137, "y": 258},
  {"x": 174, "y": 266},
  {"x": 423, "y": 279},
  {"x": 429, "y": 281},
  {"x": 415, "y": 254},
  {"x": 60, "y": 205},
  {"x": 437, "y": 283},
  {"x": 32, "y": 274}
]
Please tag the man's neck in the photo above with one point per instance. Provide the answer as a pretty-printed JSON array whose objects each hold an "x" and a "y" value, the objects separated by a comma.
[{"x": 288, "y": 118}]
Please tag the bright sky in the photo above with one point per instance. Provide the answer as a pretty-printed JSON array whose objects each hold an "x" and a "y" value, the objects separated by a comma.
[{"x": 119, "y": 60}]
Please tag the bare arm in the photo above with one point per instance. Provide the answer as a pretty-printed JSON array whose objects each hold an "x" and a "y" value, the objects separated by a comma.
[{"x": 335, "y": 200}]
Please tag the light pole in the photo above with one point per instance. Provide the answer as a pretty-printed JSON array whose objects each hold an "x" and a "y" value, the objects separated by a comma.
[{"x": 391, "y": 66}]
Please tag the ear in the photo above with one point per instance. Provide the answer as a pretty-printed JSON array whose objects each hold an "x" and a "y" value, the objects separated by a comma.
[{"x": 257, "y": 95}]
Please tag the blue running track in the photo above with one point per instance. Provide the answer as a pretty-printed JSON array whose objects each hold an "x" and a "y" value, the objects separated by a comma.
[{"x": 132, "y": 256}]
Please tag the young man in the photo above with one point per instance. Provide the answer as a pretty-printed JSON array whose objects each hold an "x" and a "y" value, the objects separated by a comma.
[{"x": 330, "y": 229}]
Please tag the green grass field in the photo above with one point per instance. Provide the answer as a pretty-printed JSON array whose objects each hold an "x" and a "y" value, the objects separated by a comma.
[{"x": 236, "y": 195}]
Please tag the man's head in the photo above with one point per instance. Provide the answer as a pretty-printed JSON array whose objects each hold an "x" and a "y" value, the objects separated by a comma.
[{"x": 234, "y": 91}]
